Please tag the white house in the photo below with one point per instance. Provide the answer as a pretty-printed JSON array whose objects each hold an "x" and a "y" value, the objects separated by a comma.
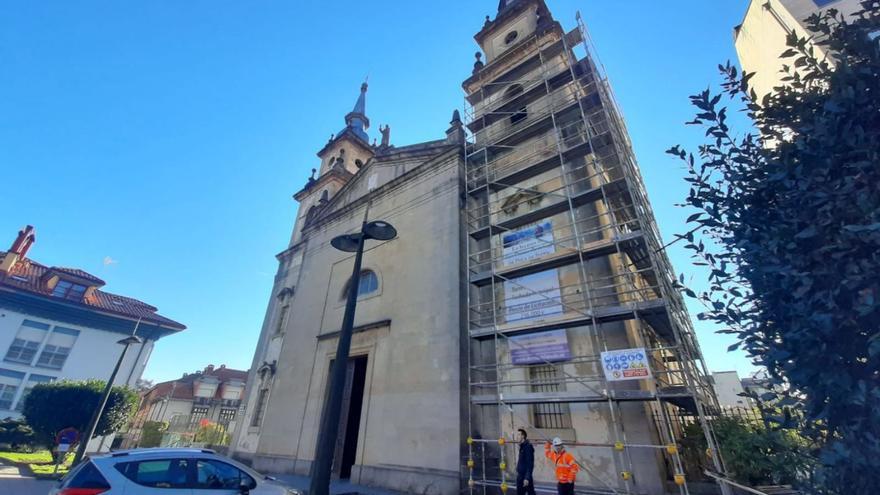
[{"x": 56, "y": 323}]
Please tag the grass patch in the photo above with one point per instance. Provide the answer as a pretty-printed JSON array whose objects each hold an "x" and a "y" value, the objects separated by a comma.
[
  {"x": 38, "y": 457},
  {"x": 39, "y": 462},
  {"x": 48, "y": 469}
]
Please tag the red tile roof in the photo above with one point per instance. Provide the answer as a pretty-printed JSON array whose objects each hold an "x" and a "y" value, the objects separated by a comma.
[
  {"x": 76, "y": 272},
  {"x": 27, "y": 275},
  {"x": 184, "y": 388}
]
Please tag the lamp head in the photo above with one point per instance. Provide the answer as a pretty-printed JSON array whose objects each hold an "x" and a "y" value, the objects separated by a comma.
[
  {"x": 346, "y": 242},
  {"x": 132, "y": 339},
  {"x": 380, "y": 230}
]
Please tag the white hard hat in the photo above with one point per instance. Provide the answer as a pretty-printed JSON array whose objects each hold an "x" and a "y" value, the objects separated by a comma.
[{"x": 557, "y": 441}]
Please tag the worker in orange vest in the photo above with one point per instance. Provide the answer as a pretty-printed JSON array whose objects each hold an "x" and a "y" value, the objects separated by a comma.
[{"x": 566, "y": 466}]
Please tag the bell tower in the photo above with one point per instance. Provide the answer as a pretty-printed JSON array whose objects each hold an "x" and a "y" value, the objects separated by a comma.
[{"x": 345, "y": 153}]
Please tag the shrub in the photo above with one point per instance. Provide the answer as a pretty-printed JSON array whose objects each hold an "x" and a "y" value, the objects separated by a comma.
[
  {"x": 51, "y": 407},
  {"x": 16, "y": 434}
]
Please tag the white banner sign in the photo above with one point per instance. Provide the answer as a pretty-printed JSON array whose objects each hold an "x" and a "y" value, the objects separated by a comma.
[
  {"x": 533, "y": 296},
  {"x": 550, "y": 346},
  {"x": 626, "y": 364},
  {"x": 528, "y": 243}
]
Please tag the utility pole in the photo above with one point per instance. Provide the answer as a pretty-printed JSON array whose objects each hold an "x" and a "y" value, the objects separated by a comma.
[{"x": 96, "y": 416}]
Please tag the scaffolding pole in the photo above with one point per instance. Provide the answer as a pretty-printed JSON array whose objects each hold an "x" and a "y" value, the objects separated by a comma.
[{"x": 552, "y": 144}]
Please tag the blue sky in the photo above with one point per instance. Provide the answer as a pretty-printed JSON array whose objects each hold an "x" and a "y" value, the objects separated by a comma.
[{"x": 169, "y": 136}]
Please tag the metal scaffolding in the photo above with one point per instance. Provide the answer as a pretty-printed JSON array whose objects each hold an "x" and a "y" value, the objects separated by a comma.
[{"x": 548, "y": 148}]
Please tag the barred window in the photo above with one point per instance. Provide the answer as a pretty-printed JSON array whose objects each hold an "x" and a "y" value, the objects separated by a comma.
[
  {"x": 227, "y": 415},
  {"x": 546, "y": 378},
  {"x": 260, "y": 407},
  {"x": 198, "y": 414}
]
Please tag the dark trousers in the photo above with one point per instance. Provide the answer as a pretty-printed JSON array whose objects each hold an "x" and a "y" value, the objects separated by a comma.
[
  {"x": 565, "y": 488},
  {"x": 524, "y": 490}
]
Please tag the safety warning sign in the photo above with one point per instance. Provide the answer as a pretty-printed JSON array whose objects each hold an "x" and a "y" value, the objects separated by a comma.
[{"x": 626, "y": 364}]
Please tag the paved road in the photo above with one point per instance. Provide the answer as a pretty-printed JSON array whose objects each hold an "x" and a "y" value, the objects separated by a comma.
[{"x": 13, "y": 483}]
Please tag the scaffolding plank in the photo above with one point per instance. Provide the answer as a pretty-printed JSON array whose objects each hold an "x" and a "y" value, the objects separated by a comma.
[
  {"x": 537, "y": 168},
  {"x": 590, "y": 250},
  {"x": 675, "y": 395},
  {"x": 603, "y": 315}
]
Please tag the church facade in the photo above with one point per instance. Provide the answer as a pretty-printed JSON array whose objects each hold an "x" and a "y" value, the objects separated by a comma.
[
  {"x": 527, "y": 256},
  {"x": 403, "y": 386}
]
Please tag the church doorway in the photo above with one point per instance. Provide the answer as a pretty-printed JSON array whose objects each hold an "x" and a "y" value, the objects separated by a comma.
[{"x": 345, "y": 452}]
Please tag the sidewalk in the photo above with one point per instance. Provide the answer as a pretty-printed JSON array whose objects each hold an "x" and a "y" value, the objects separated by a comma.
[
  {"x": 337, "y": 487},
  {"x": 17, "y": 481}
]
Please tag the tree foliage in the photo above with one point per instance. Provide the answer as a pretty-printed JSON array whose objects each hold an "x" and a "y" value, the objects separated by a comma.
[
  {"x": 51, "y": 407},
  {"x": 788, "y": 223}
]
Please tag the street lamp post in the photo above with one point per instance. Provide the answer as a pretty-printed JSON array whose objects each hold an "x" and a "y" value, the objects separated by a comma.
[
  {"x": 96, "y": 416},
  {"x": 324, "y": 450}
]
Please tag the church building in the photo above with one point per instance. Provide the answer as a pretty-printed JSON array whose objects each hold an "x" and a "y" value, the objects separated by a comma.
[{"x": 526, "y": 288}]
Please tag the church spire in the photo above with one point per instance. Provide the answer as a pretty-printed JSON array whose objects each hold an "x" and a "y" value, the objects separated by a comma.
[{"x": 357, "y": 120}]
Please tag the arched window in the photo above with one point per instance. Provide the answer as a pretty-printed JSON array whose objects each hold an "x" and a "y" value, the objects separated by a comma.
[
  {"x": 325, "y": 196},
  {"x": 368, "y": 284}
]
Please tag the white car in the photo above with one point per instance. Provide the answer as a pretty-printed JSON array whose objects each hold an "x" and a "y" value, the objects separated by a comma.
[{"x": 166, "y": 472}]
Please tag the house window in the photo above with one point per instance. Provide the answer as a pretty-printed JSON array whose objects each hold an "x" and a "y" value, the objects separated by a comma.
[
  {"x": 69, "y": 290},
  {"x": 546, "y": 378},
  {"x": 57, "y": 348},
  {"x": 282, "y": 319},
  {"x": 32, "y": 381},
  {"x": 511, "y": 37},
  {"x": 22, "y": 351},
  {"x": 9, "y": 383},
  {"x": 260, "y": 407},
  {"x": 227, "y": 415},
  {"x": 26, "y": 342},
  {"x": 367, "y": 284}
]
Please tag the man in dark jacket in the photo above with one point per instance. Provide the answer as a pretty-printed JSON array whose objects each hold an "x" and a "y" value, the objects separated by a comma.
[{"x": 525, "y": 485}]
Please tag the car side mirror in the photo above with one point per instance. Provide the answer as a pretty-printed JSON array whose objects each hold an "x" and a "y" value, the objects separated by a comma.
[{"x": 244, "y": 487}]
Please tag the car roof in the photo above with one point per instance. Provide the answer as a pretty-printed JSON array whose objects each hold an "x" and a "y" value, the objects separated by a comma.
[{"x": 153, "y": 452}]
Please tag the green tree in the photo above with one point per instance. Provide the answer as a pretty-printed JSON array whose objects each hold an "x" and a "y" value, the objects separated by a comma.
[
  {"x": 788, "y": 223},
  {"x": 51, "y": 407}
]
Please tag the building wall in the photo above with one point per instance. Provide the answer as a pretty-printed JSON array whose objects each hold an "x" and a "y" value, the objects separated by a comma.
[
  {"x": 760, "y": 39},
  {"x": 727, "y": 388},
  {"x": 410, "y": 419},
  {"x": 93, "y": 355}
]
